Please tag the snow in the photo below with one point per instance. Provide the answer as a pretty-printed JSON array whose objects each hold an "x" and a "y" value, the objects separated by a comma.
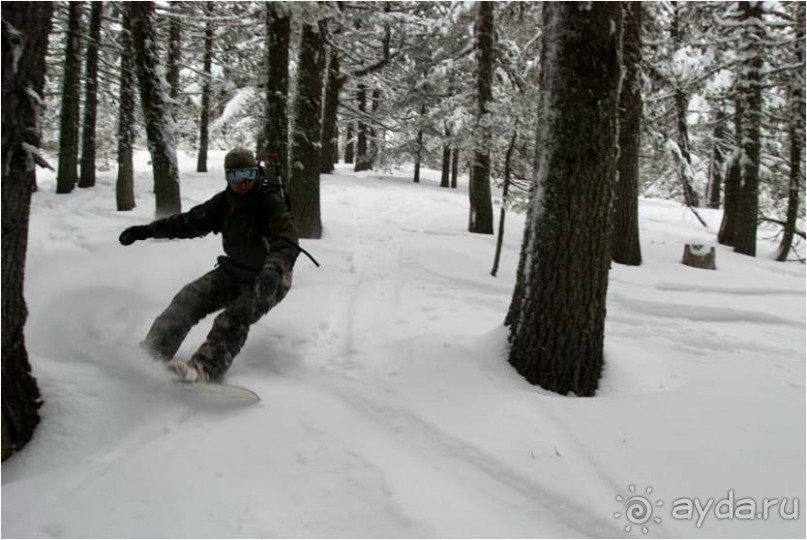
[{"x": 389, "y": 409}]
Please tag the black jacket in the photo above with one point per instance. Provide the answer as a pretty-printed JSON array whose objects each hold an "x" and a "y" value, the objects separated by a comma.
[{"x": 255, "y": 228}]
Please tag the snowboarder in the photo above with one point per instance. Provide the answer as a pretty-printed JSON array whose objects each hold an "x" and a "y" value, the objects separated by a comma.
[{"x": 261, "y": 246}]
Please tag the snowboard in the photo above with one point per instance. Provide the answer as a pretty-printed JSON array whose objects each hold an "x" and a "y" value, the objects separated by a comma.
[
  {"x": 223, "y": 393},
  {"x": 215, "y": 392}
]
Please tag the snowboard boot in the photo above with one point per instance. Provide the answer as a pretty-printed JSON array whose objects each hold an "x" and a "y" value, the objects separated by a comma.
[{"x": 189, "y": 371}]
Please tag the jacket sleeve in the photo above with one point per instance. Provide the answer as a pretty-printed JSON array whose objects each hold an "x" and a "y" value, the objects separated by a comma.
[
  {"x": 282, "y": 241},
  {"x": 196, "y": 222}
]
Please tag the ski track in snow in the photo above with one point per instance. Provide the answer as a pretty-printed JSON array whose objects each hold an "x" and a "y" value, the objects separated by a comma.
[{"x": 388, "y": 407}]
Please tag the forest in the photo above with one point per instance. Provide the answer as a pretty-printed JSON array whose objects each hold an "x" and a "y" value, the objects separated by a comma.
[{"x": 572, "y": 111}]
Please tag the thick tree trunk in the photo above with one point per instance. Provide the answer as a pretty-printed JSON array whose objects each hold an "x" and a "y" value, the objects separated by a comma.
[
  {"x": 155, "y": 110},
  {"x": 275, "y": 137},
  {"x": 796, "y": 134},
  {"x": 204, "y": 117},
  {"x": 67, "y": 177},
  {"x": 90, "y": 98},
  {"x": 124, "y": 186},
  {"x": 25, "y": 30},
  {"x": 304, "y": 185},
  {"x": 329, "y": 114},
  {"x": 480, "y": 219},
  {"x": 626, "y": 247},
  {"x": 751, "y": 94},
  {"x": 557, "y": 316},
  {"x": 174, "y": 53}
]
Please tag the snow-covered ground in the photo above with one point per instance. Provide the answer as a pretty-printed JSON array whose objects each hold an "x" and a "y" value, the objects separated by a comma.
[{"x": 389, "y": 409}]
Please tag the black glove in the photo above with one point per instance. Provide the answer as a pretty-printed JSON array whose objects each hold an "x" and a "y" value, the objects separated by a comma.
[
  {"x": 253, "y": 303},
  {"x": 132, "y": 234},
  {"x": 268, "y": 281}
]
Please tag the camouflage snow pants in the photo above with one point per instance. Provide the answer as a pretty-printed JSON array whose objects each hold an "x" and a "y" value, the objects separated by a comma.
[{"x": 213, "y": 291}]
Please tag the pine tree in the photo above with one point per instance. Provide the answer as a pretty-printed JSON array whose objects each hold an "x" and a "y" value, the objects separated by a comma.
[
  {"x": 796, "y": 136},
  {"x": 750, "y": 93},
  {"x": 481, "y": 214},
  {"x": 276, "y": 126},
  {"x": 717, "y": 159},
  {"x": 445, "y": 167},
  {"x": 304, "y": 184},
  {"x": 626, "y": 247},
  {"x": 349, "y": 142},
  {"x": 154, "y": 100},
  {"x": 557, "y": 314},
  {"x": 124, "y": 185},
  {"x": 731, "y": 187},
  {"x": 329, "y": 113},
  {"x": 174, "y": 51},
  {"x": 681, "y": 110},
  {"x": 90, "y": 97},
  {"x": 362, "y": 160},
  {"x": 25, "y": 31},
  {"x": 67, "y": 177},
  {"x": 204, "y": 120}
]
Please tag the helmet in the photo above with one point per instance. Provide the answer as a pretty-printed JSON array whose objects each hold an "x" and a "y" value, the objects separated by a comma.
[{"x": 239, "y": 158}]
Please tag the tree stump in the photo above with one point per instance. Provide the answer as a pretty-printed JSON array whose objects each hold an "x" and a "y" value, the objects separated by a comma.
[{"x": 700, "y": 256}]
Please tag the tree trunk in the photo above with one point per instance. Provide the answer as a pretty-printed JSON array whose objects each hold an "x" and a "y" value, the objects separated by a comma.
[
  {"x": 419, "y": 145},
  {"x": 685, "y": 166},
  {"x": 557, "y": 316},
  {"x": 681, "y": 108},
  {"x": 750, "y": 89},
  {"x": 304, "y": 185},
  {"x": 362, "y": 161},
  {"x": 728, "y": 227},
  {"x": 25, "y": 30},
  {"x": 174, "y": 57},
  {"x": 90, "y": 98},
  {"x": 155, "y": 110},
  {"x": 124, "y": 186},
  {"x": 455, "y": 167},
  {"x": 275, "y": 137},
  {"x": 716, "y": 166},
  {"x": 374, "y": 134},
  {"x": 445, "y": 171},
  {"x": 174, "y": 53},
  {"x": 204, "y": 118},
  {"x": 329, "y": 114},
  {"x": 796, "y": 135},
  {"x": 508, "y": 158},
  {"x": 626, "y": 247},
  {"x": 67, "y": 177},
  {"x": 349, "y": 142},
  {"x": 480, "y": 219}
]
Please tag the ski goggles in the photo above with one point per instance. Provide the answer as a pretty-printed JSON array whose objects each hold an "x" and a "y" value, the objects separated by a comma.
[{"x": 236, "y": 176}]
